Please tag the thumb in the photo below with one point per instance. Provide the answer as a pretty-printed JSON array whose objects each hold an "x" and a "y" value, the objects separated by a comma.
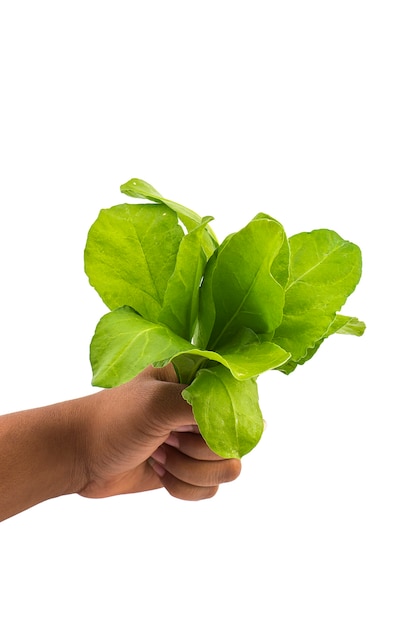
[{"x": 170, "y": 409}]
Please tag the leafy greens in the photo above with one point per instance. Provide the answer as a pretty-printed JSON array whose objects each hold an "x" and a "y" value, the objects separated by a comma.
[{"x": 222, "y": 314}]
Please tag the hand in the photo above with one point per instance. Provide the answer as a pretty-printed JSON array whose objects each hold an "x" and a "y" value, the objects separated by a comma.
[
  {"x": 139, "y": 436},
  {"x": 142, "y": 435}
]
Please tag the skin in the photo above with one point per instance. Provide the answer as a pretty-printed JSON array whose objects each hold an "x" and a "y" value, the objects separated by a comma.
[{"x": 139, "y": 436}]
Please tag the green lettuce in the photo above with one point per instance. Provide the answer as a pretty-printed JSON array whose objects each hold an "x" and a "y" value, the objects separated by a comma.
[{"x": 222, "y": 314}]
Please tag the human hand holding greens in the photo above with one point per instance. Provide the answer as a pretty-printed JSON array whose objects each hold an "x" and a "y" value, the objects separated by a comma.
[{"x": 138, "y": 436}]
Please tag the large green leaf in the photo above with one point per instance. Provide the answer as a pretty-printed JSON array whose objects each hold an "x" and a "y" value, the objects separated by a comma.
[
  {"x": 181, "y": 301},
  {"x": 125, "y": 343},
  {"x": 130, "y": 256},
  {"x": 238, "y": 290},
  {"x": 137, "y": 188},
  {"x": 324, "y": 270},
  {"x": 226, "y": 410}
]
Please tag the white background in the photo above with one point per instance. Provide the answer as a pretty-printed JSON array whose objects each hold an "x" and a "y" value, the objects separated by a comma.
[{"x": 305, "y": 110}]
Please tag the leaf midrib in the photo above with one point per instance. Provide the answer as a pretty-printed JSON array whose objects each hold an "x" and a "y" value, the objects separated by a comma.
[{"x": 311, "y": 269}]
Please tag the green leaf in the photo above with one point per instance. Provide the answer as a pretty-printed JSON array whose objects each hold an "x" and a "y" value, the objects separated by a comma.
[
  {"x": 253, "y": 359},
  {"x": 137, "y": 188},
  {"x": 246, "y": 356},
  {"x": 280, "y": 265},
  {"x": 244, "y": 362},
  {"x": 342, "y": 324},
  {"x": 125, "y": 343},
  {"x": 130, "y": 256},
  {"x": 345, "y": 325},
  {"x": 206, "y": 314},
  {"x": 226, "y": 410},
  {"x": 324, "y": 270},
  {"x": 181, "y": 301},
  {"x": 238, "y": 290}
]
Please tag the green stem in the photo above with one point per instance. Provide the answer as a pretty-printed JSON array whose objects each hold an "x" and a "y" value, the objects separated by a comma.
[{"x": 187, "y": 366}]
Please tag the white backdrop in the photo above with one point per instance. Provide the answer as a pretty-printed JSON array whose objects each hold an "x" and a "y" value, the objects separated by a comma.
[{"x": 305, "y": 110}]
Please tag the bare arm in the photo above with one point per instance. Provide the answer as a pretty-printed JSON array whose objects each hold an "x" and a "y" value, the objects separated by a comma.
[
  {"x": 136, "y": 437},
  {"x": 38, "y": 455}
]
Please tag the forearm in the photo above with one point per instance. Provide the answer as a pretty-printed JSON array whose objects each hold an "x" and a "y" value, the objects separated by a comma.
[{"x": 40, "y": 452}]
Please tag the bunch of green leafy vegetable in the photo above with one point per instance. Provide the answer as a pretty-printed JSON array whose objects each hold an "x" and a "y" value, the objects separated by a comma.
[{"x": 221, "y": 313}]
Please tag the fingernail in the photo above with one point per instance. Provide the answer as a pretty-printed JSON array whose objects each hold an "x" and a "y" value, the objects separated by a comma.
[
  {"x": 189, "y": 428},
  {"x": 172, "y": 440},
  {"x": 159, "y": 455},
  {"x": 158, "y": 469}
]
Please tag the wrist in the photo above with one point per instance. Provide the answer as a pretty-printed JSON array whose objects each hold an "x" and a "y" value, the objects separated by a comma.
[{"x": 76, "y": 417}]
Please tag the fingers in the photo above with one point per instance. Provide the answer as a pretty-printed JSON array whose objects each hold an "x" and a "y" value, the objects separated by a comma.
[
  {"x": 190, "y": 471},
  {"x": 192, "y": 444},
  {"x": 184, "y": 491},
  {"x": 196, "y": 472},
  {"x": 184, "y": 464}
]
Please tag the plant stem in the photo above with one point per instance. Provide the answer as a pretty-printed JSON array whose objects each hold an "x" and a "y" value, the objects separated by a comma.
[{"x": 187, "y": 366}]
